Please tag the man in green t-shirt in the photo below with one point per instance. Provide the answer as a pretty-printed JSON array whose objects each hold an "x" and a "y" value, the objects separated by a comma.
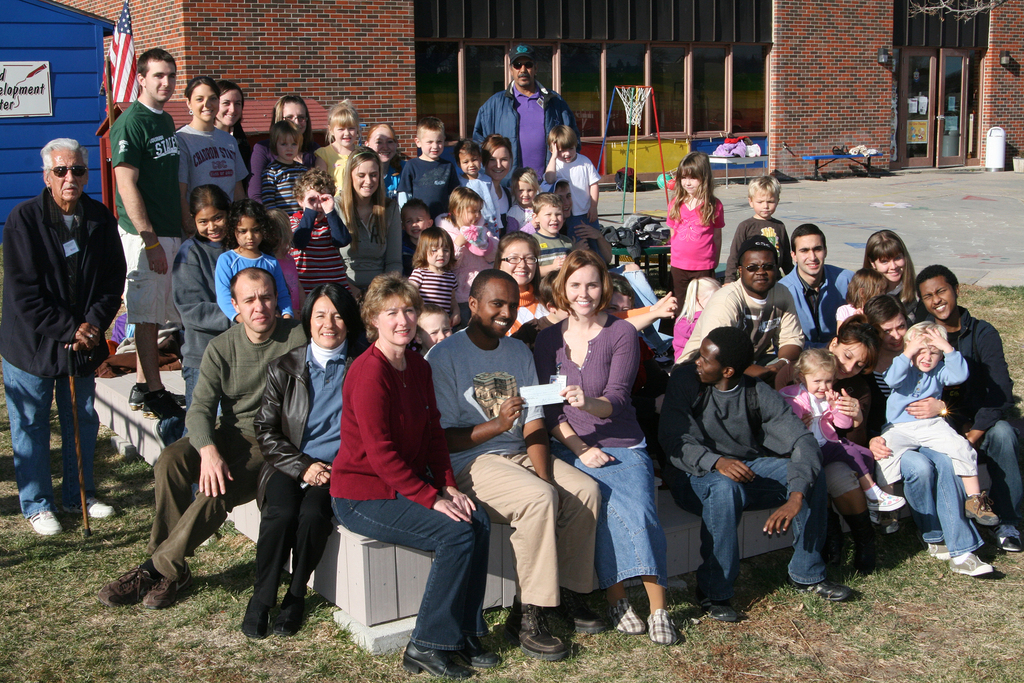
[{"x": 144, "y": 154}]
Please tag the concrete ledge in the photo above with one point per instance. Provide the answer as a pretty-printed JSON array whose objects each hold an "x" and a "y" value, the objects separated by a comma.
[{"x": 382, "y": 639}]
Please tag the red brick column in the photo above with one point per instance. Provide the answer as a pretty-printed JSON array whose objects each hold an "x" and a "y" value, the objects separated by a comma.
[
  {"x": 826, "y": 85},
  {"x": 1001, "y": 92}
]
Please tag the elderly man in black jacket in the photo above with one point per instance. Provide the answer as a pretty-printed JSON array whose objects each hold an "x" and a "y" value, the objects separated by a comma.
[
  {"x": 64, "y": 272},
  {"x": 976, "y": 407}
]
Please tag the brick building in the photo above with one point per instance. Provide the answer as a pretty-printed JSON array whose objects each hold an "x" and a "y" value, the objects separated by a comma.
[{"x": 807, "y": 74}]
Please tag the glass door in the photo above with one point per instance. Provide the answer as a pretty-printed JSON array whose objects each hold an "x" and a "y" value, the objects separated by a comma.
[
  {"x": 918, "y": 107},
  {"x": 951, "y": 120}
]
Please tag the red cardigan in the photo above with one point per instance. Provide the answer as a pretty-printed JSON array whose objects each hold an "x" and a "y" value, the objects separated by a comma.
[{"x": 390, "y": 434}]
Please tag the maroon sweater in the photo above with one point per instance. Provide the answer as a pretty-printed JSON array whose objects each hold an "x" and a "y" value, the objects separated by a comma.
[{"x": 391, "y": 436}]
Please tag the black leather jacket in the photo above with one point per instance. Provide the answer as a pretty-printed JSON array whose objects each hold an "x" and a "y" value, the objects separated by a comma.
[{"x": 281, "y": 419}]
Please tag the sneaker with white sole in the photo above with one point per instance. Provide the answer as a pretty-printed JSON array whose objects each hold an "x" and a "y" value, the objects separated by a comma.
[
  {"x": 970, "y": 566},
  {"x": 939, "y": 551},
  {"x": 96, "y": 508},
  {"x": 45, "y": 523},
  {"x": 887, "y": 502}
]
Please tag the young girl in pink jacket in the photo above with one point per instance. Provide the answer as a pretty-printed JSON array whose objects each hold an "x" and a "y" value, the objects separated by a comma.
[{"x": 813, "y": 401}]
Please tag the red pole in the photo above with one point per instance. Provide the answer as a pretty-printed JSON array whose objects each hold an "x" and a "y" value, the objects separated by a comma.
[{"x": 657, "y": 129}]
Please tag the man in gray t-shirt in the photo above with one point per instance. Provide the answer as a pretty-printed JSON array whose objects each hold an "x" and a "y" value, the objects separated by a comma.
[{"x": 501, "y": 458}]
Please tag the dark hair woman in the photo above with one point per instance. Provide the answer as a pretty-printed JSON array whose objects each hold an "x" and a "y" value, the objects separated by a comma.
[
  {"x": 296, "y": 428},
  {"x": 288, "y": 108}
]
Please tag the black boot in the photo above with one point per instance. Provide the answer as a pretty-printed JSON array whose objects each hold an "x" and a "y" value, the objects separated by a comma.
[
  {"x": 832, "y": 551},
  {"x": 863, "y": 535}
]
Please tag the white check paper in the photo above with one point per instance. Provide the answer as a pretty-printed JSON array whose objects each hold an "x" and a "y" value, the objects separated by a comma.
[{"x": 543, "y": 394}]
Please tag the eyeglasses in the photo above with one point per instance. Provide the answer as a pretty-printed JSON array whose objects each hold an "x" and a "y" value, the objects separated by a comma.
[
  {"x": 77, "y": 171},
  {"x": 297, "y": 119},
  {"x": 516, "y": 260},
  {"x": 522, "y": 65},
  {"x": 753, "y": 267}
]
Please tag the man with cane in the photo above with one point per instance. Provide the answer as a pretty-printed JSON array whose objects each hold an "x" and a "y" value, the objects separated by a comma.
[{"x": 64, "y": 272}]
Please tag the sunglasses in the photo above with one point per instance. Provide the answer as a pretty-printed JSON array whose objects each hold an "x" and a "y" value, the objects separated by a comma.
[
  {"x": 77, "y": 171},
  {"x": 522, "y": 65},
  {"x": 753, "y": 268}
]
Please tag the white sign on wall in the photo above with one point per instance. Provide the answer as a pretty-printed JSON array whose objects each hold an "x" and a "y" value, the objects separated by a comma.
[{"x": 25, "y": 89}]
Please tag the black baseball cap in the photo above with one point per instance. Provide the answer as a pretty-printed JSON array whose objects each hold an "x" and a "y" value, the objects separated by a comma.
[
  {"x": 756, "y": 243},
  {"x": 521, "y": 51}
]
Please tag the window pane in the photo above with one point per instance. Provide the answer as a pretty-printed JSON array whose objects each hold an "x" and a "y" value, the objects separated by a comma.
[
  {"x": 544, "y": 54},
  {"x": 668, "y": 76},
  {"x": 437, "y": 84},
  {"x": 708, "y": 88},
  {"x": 625, "y": 65},
  {"x": 485, "y": 75},
  {"x": 581, "y": 85},
  {"x": 747, "y": 89}
]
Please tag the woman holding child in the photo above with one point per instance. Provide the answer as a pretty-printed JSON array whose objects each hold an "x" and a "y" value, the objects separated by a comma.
[
  {"x": 931, "y": 486},
  {"x": 373, "y": 220},
  {"x": 597, "y": 432},
  {"x": 288, "y": 108},
  {"x": 392, "y": 480},
  {"x": 297, "y": 429}
]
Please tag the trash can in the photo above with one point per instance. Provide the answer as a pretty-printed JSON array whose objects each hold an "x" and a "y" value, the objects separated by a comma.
[{"x": 995, "y": 149}]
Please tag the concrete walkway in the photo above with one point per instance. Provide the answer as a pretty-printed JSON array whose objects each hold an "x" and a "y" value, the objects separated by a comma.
[{"x": 967, "y": 219}]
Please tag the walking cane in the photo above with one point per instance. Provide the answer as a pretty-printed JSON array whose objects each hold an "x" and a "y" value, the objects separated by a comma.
[{"x": 86, "y": 532}]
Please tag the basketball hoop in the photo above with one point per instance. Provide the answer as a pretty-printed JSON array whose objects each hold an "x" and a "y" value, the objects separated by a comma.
[{"x": 634, "y": 99}]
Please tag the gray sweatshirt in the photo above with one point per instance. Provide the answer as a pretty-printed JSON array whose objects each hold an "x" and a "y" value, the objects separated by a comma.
[
  {"x": 695, "y": 443},
  {"x": 195, "y": 297}
]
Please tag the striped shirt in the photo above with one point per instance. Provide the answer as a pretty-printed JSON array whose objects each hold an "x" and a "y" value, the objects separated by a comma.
[
  {"x": 320, "y": 261},
  {"x": 278, "y": 188},
  {"x": 435, "y": 288}
]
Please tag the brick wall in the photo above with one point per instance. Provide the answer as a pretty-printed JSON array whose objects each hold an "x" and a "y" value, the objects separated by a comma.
[
  {"x": 1001, "y": 86},
  {"x": 826, "y": 85},
  {"x": 324, "y": 49}
]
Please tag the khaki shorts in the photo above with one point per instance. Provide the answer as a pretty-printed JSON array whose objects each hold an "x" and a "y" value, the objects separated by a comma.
[{"x": 147, "y": 295}]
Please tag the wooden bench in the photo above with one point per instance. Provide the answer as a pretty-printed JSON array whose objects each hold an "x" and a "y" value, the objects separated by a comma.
[
  {"x": 376, "y": 583},
  {"x": 864, "y": 161}
]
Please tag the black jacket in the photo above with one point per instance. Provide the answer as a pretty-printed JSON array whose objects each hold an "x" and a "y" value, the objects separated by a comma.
[
  {"x": 281, "y": 419},
  {"x": 988, "y": 392},
  {"x": 38, "y": 319}
]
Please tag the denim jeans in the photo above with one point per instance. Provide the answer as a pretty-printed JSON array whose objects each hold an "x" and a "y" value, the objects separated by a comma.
[
  {"x": 28, "y": 406},
  {"x": 452, "y": 604},
  {"x": 570, "y": 226},
  {"x": 191, "y": 377},
  {"x": 630, "y": 541},
  {"x": 645, "y": 296},
  {"x": 998, "y": 450},
  {"x": 720, "y": 502},
  {"x": 936, "y": 499}
]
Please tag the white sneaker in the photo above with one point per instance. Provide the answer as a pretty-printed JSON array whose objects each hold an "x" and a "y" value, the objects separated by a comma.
[
  {"x": 939, "y": 551},
  {"x": 971, "y": 566},
  {"x": 97, "y": 509},
  {"x": 887, "y": 502},
  {"x": 45, "y": 523}
]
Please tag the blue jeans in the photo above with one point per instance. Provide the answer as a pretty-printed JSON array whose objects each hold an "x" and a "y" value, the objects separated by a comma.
[
  {"x": 28, "y": 406},
  {"x": 720, "y": 502},
  {"x": 570, "y": 226},
  {"x": 629, "y": 541},
  {"x": 191, "y": 377},
  {"x": 936, "y": 499},
  {"x": 645, "y": 296},
  {"x": 998, "y": 450},
  {"x": 453, "y": 600}
]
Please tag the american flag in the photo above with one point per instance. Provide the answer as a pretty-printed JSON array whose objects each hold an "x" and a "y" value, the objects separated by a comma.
[{"x": 122, "y": 59}]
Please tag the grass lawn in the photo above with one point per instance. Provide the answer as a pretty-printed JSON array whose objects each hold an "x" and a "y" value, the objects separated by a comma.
[{"x": 911, "y": 621}]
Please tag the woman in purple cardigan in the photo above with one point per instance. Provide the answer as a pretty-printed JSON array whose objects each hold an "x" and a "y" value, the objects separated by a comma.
[{"x": 597, "y": 432}]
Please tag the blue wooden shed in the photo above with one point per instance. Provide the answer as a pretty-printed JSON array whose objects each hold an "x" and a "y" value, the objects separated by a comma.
[{"x": 72, "y": 43}]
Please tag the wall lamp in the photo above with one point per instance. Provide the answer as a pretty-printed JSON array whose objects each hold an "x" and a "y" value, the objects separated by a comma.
[
  {"x": 1004, "y": 58},
  {"x": 884, "y": 56}
]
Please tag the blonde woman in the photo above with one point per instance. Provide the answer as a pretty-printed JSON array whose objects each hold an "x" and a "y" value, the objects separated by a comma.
[{"x": 373, "y": 220}]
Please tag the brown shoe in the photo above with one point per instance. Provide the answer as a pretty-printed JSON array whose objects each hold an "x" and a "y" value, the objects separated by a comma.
[
  {"x": 165, "y": 592},
  {"x": 127, "y": 589},
  {"x": 527, "y": 626},
  {"x": 979, "y": 508}
]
